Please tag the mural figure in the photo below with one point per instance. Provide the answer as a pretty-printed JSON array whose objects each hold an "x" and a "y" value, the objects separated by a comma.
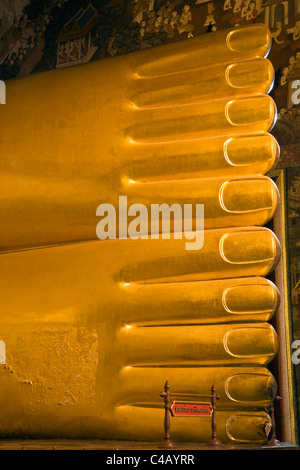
[
  {"x": 75, "y": 44},
  {"x": 283, "y": 78},
  {"x": 278, "y": 35},
  {"x": 296, "y": 31},
  {"x": 245, "y": 12},
  {"x": 227, "y": 5},
  {"x": 210, "y": 20},
  {"x": 237, "y": 6},
  {"x": 251, "y": 13},
  {"x": 62, "y": 55},
  {"x": 185, "y": 25}
]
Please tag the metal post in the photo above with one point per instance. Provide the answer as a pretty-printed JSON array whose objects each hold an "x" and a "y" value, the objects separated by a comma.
[
  {"x": 166, "y": 395},
  {"x": 274, "y": 441},
  {"x": 214, "y": 397}
]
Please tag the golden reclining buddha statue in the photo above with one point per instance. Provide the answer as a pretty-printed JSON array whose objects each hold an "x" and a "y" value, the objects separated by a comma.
[{"x": 92, "y": 328}]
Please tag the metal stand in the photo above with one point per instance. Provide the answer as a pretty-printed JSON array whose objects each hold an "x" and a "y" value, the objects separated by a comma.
[
  {"x": 167, "y": 443},
  {"x": 274, "y": 441}
]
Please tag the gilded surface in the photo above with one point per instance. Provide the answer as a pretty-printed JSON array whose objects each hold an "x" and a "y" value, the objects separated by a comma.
[{"x": 93, "y": 328}]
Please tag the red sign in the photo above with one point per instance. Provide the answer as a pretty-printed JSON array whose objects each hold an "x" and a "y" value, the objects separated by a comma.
[{"x": 190, "y": 409}]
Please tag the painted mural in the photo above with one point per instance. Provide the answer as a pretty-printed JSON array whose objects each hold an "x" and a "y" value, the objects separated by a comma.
[
  {"x": 293, "y": 200},
  {"x": 38, "y": 35}
]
